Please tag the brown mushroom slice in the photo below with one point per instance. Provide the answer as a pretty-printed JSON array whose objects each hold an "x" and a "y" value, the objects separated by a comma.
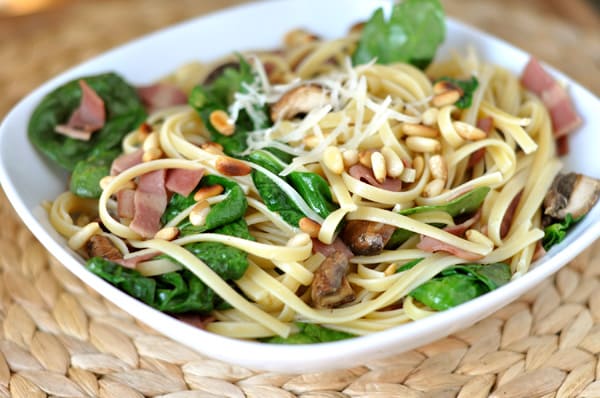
[
  {"x": 330, "y": 288},
  {"x": 299, "y": 100},
  {"x": 573, "y": 194},
  {"x": 366, "y": 238},
  {"x": 101, "y": 246}
]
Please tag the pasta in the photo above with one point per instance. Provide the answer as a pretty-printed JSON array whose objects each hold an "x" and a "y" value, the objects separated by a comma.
[{"x": 457, "y": 187}]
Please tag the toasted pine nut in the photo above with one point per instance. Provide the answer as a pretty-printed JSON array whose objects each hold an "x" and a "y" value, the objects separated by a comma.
[
  {"x": 423, "y": 144},
  {"x": 393, "y": 163},
  {"x": 357, "y": 27},
  {"x": 390, "y": 269},
  {"x": 475, "y": 236},
  {"x": 438, "y": 167},
  {"x": 151, "y": 141},
  {"x": 446, "y": 98},
  {"x": 350, "y": 157},
  {"x": 199, "y": 213},
  {"x": 300, "y": 239},
  {"x": 378, "y": 166},
  {"x": 433, "y": 188},
  {"x": 212, "y": 147},
  {"x": 232, "y": 167},
  {"x": 208, "y": 192},
  {"x": 332, "y": 157},
  {"x": 152, "y": 154},
  {"x": 309, "y": 226},
  {"x": 429, "y": 117},
  {"x": 143, "y": 132},
  {"x": 298, "y": 37},
  {"x": 167, "y": 233},
  {"x": 468, "y": 131},
  {"x": 443, "y": 86},
  {"x": 364, "y": 158},
  {"x": 220, "y": 121},
  {"x": 419, "y": 130},
  {"x": 408, "y": 175},
  {"x": 311, "y": 141}
]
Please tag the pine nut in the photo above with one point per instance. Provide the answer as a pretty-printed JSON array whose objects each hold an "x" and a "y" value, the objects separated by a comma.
[
  {"x": 350, "y": 157},
  {"x": 311, "y": 141},
  {"x": 143, "y": 132},
  {"x": 438, "y": 167},
  {"x": 390, "y": 269},
  {"x": 378, "y": 166},
  {"x": 468, "y": 131},
  {"x": 423, "y": 144},
  {"x": 298, "y": 37},
  {"x": 232, "y": 167},
  {"x": 152, "y": 154},
  {"x": 408, "y": 175},
  {"x": 393, "y": 163},
  {"x": 364, "y": 158},
  {"x": 419, "y": 130},
  {"x": 220, "y": 121},
  {"x": 309, "y": 226},
  {"x": 150, "y": 142},
  {"x": 298, "y": 240},
  {"x": 332, "y": 157},
  {"x": 446, "y": 98},
  {"x": 475, "y": 236},
  {"x": 212, "y": 147},
  {"x": 433, "y": 188},
  {"x": 199, "y": 213},
  {"x": 207, "y": 192},
  {"x": 429, "y": 117},
  {"x": 419, "y": 166},
  {"x": 443, "y": 86},
  {"x": 167, "y": 233}
]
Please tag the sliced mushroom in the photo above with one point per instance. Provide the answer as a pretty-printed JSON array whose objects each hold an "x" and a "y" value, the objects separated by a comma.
[
  {"x": 573, "y": 194},
  {"x": 299, "y": 100},
  {"x": 330, "y": 288},
  {"x": 366, "y": 238},
  {"x": 101, "y": 246}
]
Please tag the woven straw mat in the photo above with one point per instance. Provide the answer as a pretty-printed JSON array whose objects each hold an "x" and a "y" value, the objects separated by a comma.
[{"x": 60, "y": 338}]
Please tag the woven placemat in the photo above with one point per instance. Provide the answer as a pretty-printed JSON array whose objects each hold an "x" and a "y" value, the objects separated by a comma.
[{"x": 60, "y": 338}]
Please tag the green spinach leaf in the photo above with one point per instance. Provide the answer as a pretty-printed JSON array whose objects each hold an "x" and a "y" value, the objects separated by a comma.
[
  {"x": 276, "y": 199},
  {"x": 468, "y": 88},
  {"x": 310, "y": 333},
  {"x": 556, "y": 233},
  {"x": 465, "y": 204},
  {"x": 124, "y": 112},
  {"x": 415, "y": 30},
  {"x": 85, "y": 179}
]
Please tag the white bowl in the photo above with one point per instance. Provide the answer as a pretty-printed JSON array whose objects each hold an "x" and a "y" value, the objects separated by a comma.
[{"x": 28, "y": 178}]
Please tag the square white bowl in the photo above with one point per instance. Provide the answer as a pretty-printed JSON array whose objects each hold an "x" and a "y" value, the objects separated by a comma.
[{"x": 28, "y": 179}]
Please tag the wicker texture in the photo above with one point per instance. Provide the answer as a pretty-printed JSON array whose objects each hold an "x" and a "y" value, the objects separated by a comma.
[{"x": 60, "y": 338}]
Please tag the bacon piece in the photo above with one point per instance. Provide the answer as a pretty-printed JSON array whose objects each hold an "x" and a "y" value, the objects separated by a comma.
[
  {"x": 365, "y": 174},
  {"x": 150, "y": 202},
  {"x": 89, "y": 117},
  {"x": 508, "y": 216},
  {"x": 161, "y": 95},
  {"x": 126, "y": 161},
  {"x": 337, "y": 246},
  {"x": 564, "y": 117},
  {"x": 125, "y": 203},
  {"x": 133, "y": 261},
  {"x": 196, "y": 320},
  {"x": 485, "y": 124},
  {"x": 183, "y": 181},
  {"x": 459, "y": 229}
]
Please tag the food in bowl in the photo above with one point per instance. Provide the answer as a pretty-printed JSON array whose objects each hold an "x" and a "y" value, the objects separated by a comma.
[{"x": 319, "y": 191}]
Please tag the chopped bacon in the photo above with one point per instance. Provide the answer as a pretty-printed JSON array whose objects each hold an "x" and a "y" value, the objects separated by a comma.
[
  {"x": 183, "y": 181},
  {"x": 365, "y": 174},
  {"x": 564, "y": 117},
  {"x": 508, "y": 216},
  {"x": 161, "y": 95},
  {"x": 459, "y": 229},
  {"x": 133, "y": 261},
  {"x": 196, "y": 320},
  {"x": 337, "y": 246},
  {"x": 125, "y": 203},
  {"x": 126, "y": 161},
  {"x": 150, "y": 202},
  {"x": 562, "y": 145},
  {"x": 89, "y": 117},
  {"x": 485, "y": 124}
]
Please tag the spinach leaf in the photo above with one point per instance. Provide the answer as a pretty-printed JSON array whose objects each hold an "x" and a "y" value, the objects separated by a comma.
[
  {"x": 415, "y": 30},
  {"x": 467, "y": 86},
  {"x": 461, "y": 283},
  {"x": 85, "y": 179},
  {"x": 465, "y": 204},
  {"x": 175, "y": 292},
  {"x": 556, "y": 233},
  {"x": 124, "y": 112},
  {"x": 408, "y": 265},
  {"x": 276, "y": 199},
  {"x": 310, "y": 333},
  {"x": 314, "y": 190}
]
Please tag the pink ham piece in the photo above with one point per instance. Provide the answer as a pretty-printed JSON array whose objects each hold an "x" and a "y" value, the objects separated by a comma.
[
  {"x": 485, "y": 124},
  {"x": 150, "y": 202},
  {"x": 433, "y": 245},
  {"x": 183, "y": 181},
  {"x": 337, "y": 246},
  {"x": 564, "y": 117},
  {"x": 161, "y": 95},
  {"x": 133, "y": 261},
  {"x": 89, "y": 117},
  {"x": 125, "y": 204},
  {"x": 508, "y": 216},
  {"x": 126, "y": 161},
  {"x": 365, "y": 174}
]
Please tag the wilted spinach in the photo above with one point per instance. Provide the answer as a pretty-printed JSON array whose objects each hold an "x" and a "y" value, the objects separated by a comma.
[
  {"x": 310, "y": 333},
  {"x": 85, "y": 179},
  {"x": 556, "y": 233},
  {"x": 413, "y": 33}
]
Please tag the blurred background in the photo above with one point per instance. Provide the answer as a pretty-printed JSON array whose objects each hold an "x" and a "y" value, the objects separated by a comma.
[{"x": 49, "y": 36}]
